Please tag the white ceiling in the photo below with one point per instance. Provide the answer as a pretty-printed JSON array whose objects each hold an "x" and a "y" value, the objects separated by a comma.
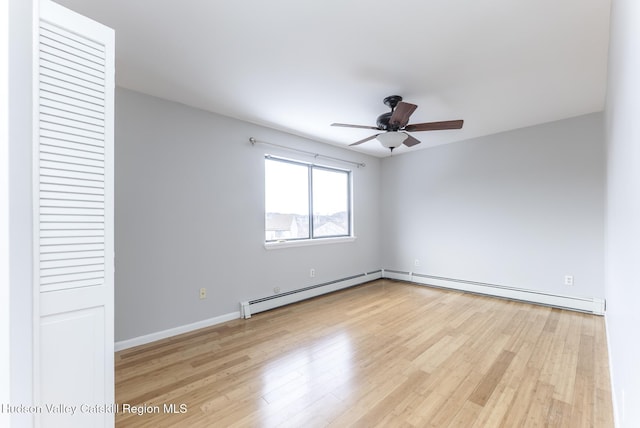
[{"x": 298, "y": 66}]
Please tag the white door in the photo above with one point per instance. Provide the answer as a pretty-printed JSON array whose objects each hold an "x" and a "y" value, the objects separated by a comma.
[{"x": 74, "y": 248}]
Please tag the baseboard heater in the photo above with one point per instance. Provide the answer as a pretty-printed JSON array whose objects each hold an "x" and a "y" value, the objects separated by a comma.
[
  {"x": 247, "y": 308},
  {"x": 581, "y": 304}
]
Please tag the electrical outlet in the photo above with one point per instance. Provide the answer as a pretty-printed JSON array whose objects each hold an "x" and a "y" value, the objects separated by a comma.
[
  {"x": 312, "y": 273},
  {"x": 416, "y": 263},
  {"x": 568, "y": 280},
  {"x": 276, "y": 290},
  {"x": 203, "y": 293}
]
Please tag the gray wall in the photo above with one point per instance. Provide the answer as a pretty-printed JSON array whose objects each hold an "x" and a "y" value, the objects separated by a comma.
[
  {"x": 519, "y": 209},
  {"x": 190, "y": 214},
  {"x": 623, "y": 210}
]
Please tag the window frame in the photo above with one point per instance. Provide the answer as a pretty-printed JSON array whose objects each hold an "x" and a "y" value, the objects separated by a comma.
[{"x": 311, "y": 239}]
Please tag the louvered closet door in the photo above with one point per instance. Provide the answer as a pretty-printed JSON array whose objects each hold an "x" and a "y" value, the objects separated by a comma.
[{"x": 74, "y": 222}]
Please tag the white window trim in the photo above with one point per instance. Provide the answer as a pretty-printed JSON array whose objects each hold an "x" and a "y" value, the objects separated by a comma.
[{"x": 275, "y": 245}]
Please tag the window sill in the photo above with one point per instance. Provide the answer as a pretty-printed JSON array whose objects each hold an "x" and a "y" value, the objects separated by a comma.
[{"x": 307, "y": 242}]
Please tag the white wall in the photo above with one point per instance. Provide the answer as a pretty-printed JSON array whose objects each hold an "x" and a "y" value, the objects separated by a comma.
[
  {"x": 5, "y": 308},
  {"x": 623, "y": 209},
  {"x": 190, "y": 214},
  {"x": 519, "y": 209}
]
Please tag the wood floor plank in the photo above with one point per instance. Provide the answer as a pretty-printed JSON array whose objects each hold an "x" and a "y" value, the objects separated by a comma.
[
  {"x": 483, "y": 391},
  {"x": 386, "y": 353},
  {"x": 386, "y": 406}
]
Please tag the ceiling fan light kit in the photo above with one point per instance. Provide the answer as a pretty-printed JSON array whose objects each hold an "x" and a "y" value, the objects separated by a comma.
[
  {"x": 392, "y": 139},
  {"x": 395, "y": 125}
]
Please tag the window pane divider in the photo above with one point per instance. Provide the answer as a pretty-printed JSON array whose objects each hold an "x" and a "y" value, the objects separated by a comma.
[{"x": 310, "y": 193}]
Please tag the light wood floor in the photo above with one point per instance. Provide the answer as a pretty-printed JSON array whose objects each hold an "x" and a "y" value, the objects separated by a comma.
[{"x": 385, "y": 354}]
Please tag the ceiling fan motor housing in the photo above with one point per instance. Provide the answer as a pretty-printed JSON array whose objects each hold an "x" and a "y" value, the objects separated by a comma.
[
  {"x": 383, "y": 121},
  {"x": 392, "y": 101}
]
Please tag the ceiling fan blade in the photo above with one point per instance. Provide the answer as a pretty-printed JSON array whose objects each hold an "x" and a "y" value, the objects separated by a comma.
[
  {"x": 401, "y": 114},
  {"x": 364, "y": 140},
  {"x": 434, "y": 126},
  {"x": 410, "y": 141},
  {"x": 346, "y": 125}
]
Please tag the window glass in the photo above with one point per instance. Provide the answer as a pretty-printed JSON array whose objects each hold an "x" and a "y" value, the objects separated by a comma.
[
  {"x": 304, "y": 201},
  {"x": 330, "y": 202},
  {"x": 286, "y": 200}
]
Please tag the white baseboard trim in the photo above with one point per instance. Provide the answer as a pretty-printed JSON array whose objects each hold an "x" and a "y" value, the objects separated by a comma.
[
  {"x": 255, "y": 306},
  {"x": 247, "y": 308},
  {"x": 152, "y": 337},
  {"x": 581, "y": 304}
]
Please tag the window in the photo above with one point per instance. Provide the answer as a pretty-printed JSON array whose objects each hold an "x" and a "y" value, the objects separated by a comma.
[{"x": 305, "y": 201}]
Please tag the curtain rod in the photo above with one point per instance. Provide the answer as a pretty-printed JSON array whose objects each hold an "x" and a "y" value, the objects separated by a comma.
[{"x": 253, "y": 142}]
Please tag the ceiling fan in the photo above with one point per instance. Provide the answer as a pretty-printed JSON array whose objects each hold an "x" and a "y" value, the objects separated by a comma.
[{"x": 395, "y": 125}]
